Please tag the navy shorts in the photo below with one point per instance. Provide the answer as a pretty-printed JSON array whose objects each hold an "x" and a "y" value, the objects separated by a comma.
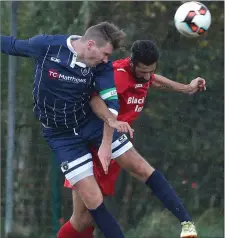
[{"x": 71, "y": 147}]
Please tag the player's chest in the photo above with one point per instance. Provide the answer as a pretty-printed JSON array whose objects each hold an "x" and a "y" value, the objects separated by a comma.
[
  {"x": 61, "y": 68},
  {"x": 134, "y": 98}
]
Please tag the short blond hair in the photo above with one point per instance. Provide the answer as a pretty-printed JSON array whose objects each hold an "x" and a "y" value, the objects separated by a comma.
[{"x": 105, "y": 32}]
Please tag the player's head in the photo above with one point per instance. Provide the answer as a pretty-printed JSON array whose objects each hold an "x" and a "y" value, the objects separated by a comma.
[
  {"x": 144, "y": 56},
  {"x": 101, "y": 40}
]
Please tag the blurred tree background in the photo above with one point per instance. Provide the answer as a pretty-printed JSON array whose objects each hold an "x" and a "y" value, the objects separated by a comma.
[{"x": 180, "y": 135}]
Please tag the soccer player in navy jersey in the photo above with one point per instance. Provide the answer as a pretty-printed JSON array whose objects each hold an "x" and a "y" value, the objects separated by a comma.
[{"x": 68, "y": 70}]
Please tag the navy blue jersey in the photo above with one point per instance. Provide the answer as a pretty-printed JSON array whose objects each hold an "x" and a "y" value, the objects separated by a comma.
[{"x": 62, "y": 85}]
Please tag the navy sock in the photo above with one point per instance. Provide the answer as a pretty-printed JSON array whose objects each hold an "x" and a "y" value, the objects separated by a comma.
[
  {"x": 106, "y": 222},
  {"x": 165, "y": 193}
]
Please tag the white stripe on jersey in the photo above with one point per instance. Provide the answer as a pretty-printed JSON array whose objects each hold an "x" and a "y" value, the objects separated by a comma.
[
  {"x": 82, "y": 105},
  {"x": 45, "y": 111},
  {"x": 59, "y": 51},
  {"x": 54, "y": 116},
  {"x": 74, "y": 109},
  {"x": 41, "y": 78},
  {"x": 65, "y": 114},
  {"x": 68, "y": 58},
  {"x": 34, "y": 87}
]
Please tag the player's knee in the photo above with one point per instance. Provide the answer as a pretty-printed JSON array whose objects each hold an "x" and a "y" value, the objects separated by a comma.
[
  {"x": 136, "y": 165},
  {"x": 81, "y": 221},
  {"x": 90, "y": 192},
  {"x": 142, "y": 170}
]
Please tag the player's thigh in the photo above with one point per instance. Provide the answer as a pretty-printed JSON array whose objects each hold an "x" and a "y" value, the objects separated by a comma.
[
  {"x": 81, "y": 217},
  {"x": 134, "y": 163},
  {"x": 71, "y": 153},
  {"x": 78, "y": 204}
]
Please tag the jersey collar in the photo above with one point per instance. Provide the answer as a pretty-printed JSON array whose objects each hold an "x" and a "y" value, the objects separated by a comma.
[{"x": 69, "y": 45}]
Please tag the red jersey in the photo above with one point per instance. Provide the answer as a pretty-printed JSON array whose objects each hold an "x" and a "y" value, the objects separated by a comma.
[
  {"x": 131, "y": 99},
  {"x": 131, "y": 94}
]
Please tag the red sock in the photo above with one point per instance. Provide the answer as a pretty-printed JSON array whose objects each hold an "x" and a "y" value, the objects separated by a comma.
[
  {"x": 67, "y": 231},
  {"x": 87, "y": 233}
]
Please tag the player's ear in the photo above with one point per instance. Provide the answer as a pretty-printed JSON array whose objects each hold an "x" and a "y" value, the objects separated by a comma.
[{"x": 90, "y": 44}]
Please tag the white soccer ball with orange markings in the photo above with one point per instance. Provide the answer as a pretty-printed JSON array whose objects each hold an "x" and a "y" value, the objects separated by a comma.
[{"x": 192, "y": 19}]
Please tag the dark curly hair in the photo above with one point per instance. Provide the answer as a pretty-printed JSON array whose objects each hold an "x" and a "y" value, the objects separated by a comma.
[{"x": 145, "y": 52}]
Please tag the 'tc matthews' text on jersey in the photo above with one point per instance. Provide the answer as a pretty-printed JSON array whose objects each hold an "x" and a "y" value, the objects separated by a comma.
[{"x": 62, "y": 86}]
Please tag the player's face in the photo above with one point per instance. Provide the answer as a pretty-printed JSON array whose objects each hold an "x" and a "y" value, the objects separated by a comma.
[
  {"x": 143, "y": 73},
  {"x": 97, "y": 55}
]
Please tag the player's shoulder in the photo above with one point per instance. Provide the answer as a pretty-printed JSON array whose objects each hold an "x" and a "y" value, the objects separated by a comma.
[
  {"x": 51, "y": 39},
  {"x": 122, "y": 65},
  {"x": 122, "y": 74},
  {"x": 57, "y": 39}
]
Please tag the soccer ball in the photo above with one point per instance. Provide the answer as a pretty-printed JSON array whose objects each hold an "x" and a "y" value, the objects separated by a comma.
[{"x": 192, "y": 19}]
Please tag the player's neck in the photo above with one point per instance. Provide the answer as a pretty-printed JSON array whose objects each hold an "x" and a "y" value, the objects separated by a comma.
[{"x": 79, "y": 48}]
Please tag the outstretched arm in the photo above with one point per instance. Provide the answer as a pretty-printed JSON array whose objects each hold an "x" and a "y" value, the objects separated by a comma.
[
  {"x": 32, "y": 47},
  {"x": 194, "y": 86}
]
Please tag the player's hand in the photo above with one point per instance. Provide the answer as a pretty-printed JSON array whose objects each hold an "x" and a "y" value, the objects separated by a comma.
[
  {"x": 197, "y": 85},
  {"x": 122, "y": 127},
  {"x": 105, "y": 155}
]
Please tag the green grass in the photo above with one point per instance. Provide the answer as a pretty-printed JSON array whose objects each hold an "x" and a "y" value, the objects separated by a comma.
[
  {"x": 163, "y": 225},
  {"x": 210, "y": 224}
]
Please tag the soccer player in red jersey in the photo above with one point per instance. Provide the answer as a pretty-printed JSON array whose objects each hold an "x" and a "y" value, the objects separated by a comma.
[{"x": 134, "y": 76}]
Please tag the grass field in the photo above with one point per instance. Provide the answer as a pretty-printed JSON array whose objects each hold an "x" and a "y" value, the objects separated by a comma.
[{"x": 162, "y": 225}]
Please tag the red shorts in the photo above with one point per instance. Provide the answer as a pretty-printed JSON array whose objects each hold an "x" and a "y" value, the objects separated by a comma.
[{"x": 106, "y": 182}]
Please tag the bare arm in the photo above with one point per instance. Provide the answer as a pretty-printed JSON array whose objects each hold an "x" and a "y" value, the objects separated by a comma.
[
  {"x": 162, "y": 82},
  {"x": 105, "y": 150},
  {"x": 99, "y": 107},
  {"x": 101, "y": 110},
  {"x": 195, "y": 85}
]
